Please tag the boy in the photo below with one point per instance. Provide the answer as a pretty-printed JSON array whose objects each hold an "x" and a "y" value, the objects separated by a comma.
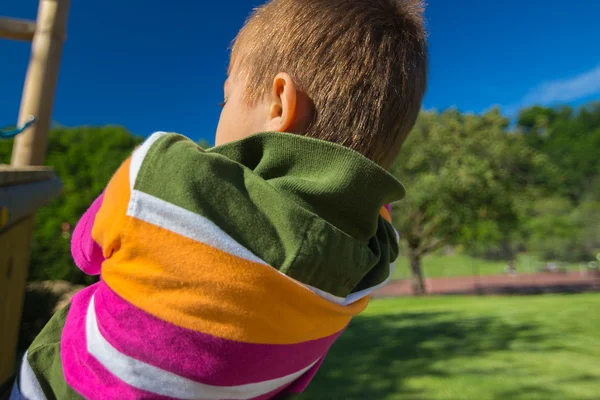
[{"x": 229, "y": 273}]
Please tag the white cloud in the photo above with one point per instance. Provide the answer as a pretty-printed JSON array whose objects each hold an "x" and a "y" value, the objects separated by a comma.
[
  {"x": 566, "y": 90},
  {"x": 560, "y": 91}
]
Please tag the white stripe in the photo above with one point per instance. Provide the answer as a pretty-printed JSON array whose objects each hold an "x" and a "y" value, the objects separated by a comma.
[
  {"x": 139, "y": 155},
  {"x": 185, "y": 223},
  {"x": 29, "y": 387},
  {"x": 155, "y": 380},
  {"x": 354, "y": 297},
  {"x": 397, "y": 235},
  {"x": 326, "y": 295},
  {"x": 196, "y": 227}
]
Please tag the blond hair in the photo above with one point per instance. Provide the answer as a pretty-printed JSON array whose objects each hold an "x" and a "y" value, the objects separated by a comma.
[{"x": 363, "y": 64}]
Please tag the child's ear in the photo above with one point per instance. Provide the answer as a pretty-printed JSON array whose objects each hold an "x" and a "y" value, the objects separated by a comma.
[{"x": 283, "y": 111}]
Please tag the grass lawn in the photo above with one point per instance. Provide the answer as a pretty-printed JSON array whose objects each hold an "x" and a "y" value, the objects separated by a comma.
[
  {"x": 436, "y": 266},
  {"x": 454, "y": 348}
]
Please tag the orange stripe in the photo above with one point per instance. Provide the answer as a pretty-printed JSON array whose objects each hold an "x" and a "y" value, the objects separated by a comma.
[
  {"x": 385, "y": 214},
  {"x": 195, "y": 286},
  {"x": 111, "y": 218}
]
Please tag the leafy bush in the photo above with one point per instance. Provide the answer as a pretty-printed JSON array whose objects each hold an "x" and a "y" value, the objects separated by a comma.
[{"x": 84, "y": 159}]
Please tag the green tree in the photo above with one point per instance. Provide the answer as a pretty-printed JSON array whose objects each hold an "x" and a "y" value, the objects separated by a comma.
[
  {"x": 203, "y": 143},
  {"x": 571, "y": 139},
  {"x": 565, "y": 226},
  {"x": 559, "y": 230},
  {"x": 552, "y": 230},
  {"x": 587, "y": 216},
  {"x": 5, "y": 150},
  {"x": 466, "y": 179}
]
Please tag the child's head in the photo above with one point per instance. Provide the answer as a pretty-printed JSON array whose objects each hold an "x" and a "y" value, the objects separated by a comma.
[{"x": 352, "y": 72}]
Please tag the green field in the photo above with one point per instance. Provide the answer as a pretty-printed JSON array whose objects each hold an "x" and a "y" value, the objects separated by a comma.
[
  {"x": 454, "y": 348},
  {"x": 436, "y": 266}
]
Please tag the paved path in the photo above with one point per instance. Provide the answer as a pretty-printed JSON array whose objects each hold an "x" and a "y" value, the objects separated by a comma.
[{"x": 500, "y": 284}]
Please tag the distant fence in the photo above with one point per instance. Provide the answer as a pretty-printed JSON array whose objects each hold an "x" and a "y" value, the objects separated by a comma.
[{"x": 461, "y": 274}]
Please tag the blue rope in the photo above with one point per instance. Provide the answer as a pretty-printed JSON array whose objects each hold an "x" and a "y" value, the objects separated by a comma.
[{"x": 11, "y": 133}]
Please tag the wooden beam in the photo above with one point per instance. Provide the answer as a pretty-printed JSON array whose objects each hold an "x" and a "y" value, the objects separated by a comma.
[
  {"x": 20, "y": 201},
  {"x": 16, "y": 29},
  {"x": 40, "y": 82},
  {"x": 18, "y": 176}
]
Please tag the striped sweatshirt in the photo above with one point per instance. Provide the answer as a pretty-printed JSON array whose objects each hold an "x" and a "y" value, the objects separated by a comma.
[{"x": 224, "y": 274}]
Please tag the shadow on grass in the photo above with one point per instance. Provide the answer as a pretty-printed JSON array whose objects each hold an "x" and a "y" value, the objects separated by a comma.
[
  {"x": 378, "y": 354},
  {"x": 539, "y": 392}
]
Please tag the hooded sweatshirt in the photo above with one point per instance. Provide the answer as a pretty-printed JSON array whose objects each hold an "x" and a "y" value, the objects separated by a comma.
[{"x": 224, "y": 274}]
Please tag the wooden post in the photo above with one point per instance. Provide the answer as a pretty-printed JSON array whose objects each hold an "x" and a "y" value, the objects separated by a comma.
[
  {"x": 29, "y": 150},
  {"x": 40, "y": 82}
]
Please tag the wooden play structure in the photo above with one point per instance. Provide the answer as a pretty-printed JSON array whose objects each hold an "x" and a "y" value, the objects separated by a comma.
[{"x": 25, "y": 184}]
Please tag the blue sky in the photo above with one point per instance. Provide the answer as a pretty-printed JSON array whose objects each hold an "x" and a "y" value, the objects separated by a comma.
[{"x": 156, "y": 65}]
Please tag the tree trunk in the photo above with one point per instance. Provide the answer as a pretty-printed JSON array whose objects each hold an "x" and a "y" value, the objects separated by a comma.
[{"x": 418, "y": 282}]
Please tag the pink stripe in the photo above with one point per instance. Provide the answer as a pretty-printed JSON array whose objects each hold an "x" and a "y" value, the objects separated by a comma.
[
  {"x": 195, "y": 355},
  {"x": 296, "y": 387},
  {"x": 302, "y": 383},
  {"x": 87, "y": 254},
  {"x": 388, "y": 207},
  {"x": 82, "y": 372}
]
